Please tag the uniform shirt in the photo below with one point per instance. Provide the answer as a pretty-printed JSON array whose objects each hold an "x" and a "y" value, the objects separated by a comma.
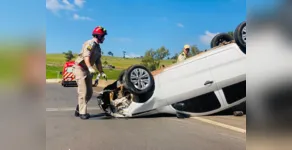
[
  {"x": 89, "y": 49},
  {"x": 181, "y": 57}
]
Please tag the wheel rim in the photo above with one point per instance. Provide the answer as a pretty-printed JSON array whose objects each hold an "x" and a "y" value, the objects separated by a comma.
[
  {"x": 140, "y": 78},
  {"x": 243, "y": 34}
]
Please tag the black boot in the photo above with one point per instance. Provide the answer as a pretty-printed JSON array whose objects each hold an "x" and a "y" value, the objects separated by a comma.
[
  {"x": 84, "y": 116},
  {"x": 77, "y": 111}
]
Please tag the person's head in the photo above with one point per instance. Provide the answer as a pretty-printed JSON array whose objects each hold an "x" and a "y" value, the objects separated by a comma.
[
  {"x": 187, "y": 49},
  {"x": 99, "y": 33}
]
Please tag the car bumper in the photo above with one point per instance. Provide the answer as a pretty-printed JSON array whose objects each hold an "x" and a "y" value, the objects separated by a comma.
[{"x": 69, "y": 82}]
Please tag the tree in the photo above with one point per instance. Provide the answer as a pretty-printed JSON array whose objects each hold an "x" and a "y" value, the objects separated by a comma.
[
  {"x": 194, "y": 50},
  {"x": 148, "y": 60},
  {"x": 230, "y": 33},
  {"x": 162, "y": 52},
  {"x": 152, "y": 58},
  {"x": 124, "y": 54},
  {"x": 174, "y": 56},
  {"x": 110, "y": 53},
  {"x": 68, "y": 55}
]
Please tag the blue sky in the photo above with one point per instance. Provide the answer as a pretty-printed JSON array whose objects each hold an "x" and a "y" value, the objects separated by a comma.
[
  {"x": 22, "y": 19},
  {"x": 138, "y": 25}
]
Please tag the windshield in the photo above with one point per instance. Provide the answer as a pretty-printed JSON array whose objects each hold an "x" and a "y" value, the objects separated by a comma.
[{"x": 69, "y": 69}]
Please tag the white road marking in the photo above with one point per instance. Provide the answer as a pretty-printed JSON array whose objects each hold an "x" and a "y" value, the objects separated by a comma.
[
  {"x": 68, "y": 109},
  {"x": 220, "y": 124}
]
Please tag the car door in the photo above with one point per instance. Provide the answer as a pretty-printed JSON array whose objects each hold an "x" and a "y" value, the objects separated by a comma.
[
  {"x": 186, "y": 80},
  {"x": 227, "y": 67}
]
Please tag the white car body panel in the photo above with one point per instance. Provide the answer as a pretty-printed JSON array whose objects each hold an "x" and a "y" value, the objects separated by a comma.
[{"x": 223, "y": 65}]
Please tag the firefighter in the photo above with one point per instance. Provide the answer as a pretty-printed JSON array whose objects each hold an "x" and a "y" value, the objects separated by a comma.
[
  {"x": 184, "y": 54},
  {"x": 83, "y": 69}
]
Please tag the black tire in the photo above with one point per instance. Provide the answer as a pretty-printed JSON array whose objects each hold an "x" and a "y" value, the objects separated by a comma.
[
  {"x": 120, "y": 78},
  {"x": 238, "y": 36},
  {"x": 219, "y": 38},
  {"x": 131, "y": 87}
]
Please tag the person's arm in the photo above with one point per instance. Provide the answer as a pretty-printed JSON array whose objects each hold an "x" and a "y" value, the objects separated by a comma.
[
  {"x": 99, "y": 66},
  {"x": 87, "y": 52},
  {"x": 87, "y": 61}
]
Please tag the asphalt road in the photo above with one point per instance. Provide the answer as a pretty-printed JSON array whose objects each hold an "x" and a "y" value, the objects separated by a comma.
[{"x": 66, "y": 132}]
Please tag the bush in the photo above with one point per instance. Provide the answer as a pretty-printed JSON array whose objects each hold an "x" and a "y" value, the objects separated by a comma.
[{"x": 152, "y": 58}]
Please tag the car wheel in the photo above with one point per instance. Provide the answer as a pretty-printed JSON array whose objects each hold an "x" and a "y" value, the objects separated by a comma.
[
  {"x": 138, "y": 80},
  {"x": 120, "y": 78},
  {"x": 221, "y": 39},
  {"x": 240, "y": 36}
]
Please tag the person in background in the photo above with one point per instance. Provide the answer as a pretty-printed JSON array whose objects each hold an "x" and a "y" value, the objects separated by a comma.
[{"x": 184, "y": 54}]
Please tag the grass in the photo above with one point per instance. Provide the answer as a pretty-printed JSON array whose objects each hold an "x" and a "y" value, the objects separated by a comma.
[
  {"x": 53, "y": 72},
  {"x": 55, "y": 62},
  {"x": 118, "y": 62}
]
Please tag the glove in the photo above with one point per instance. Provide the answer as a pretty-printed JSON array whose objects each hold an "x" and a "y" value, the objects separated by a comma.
[
  {"x": 97, "y": 77},
  {"x": 91, "y": 70},
  {"x": 103, "y": 75}
]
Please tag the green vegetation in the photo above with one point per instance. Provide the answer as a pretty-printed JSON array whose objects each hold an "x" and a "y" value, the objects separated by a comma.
[
  {"x": 118, "y": 62},
  {"x": 153, "y": 59},
  {"x": 230, "y": 33},
  {"x": 53, "y": 72},
  {"x": 69, "y": 55},
  {"x": 55, "y": 62}
]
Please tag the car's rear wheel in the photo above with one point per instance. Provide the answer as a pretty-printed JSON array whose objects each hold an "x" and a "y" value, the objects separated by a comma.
[
  {"x": 221, "y": 39},
  {"x": 120, "y": 78},
  {"x": 138, "y": 80},
  {"x": 240, "y": 36}
]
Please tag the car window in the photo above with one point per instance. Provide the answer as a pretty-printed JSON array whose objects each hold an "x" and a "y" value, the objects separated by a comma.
[
  {"x": 235, "y": 92},
  {"x": 200, "y": 104},
  {"x": 69, "y": 69}
]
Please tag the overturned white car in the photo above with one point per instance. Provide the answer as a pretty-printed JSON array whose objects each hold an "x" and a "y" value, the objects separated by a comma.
[{"x": 210, "y": 82}]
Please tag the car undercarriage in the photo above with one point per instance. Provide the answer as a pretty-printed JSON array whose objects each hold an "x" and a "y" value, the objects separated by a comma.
[{"x": 114, "y": 99}]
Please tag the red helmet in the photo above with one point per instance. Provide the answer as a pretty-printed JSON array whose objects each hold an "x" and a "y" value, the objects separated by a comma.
[{"x": 99, "y": 31}]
